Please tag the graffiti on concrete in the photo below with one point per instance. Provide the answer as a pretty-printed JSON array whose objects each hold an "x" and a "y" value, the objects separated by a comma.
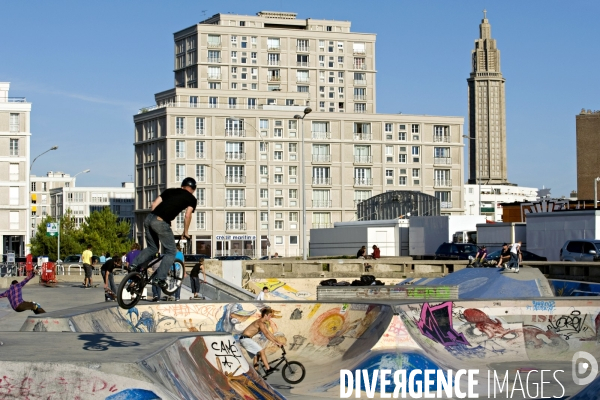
[
  {"x": 226, "y": 353},
  {"x": 568, "y": 325},
  {"x": 541, "y": 305},
  {"x": 56, "y": 388},
  {"x": 436, "y": 324},
  {"x": 296, "y": 314}
]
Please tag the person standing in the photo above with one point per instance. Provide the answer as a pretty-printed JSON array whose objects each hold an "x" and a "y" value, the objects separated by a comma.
[
  {"x": 102, "y": 258},
  {"x": 107, "y": 273},
  {"x": 157, "y": 226},
  {"x": 262, "y": 294},
  {"x": 86, "y": 257},
  {"x": 515, "y": 250},
  {"x": 13, "y": 293},
  {"x": 133, "y": 253},
  {"x": 195, "y": 277}
]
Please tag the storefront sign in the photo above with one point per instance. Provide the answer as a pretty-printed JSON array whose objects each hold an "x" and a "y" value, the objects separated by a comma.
[{"x": 235, "y": 237}]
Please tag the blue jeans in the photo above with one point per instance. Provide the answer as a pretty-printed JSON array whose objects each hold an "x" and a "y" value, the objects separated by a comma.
[{"x": 157, "y": 231}]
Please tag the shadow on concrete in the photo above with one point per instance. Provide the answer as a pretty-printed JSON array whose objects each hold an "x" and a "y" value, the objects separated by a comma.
[{"x": 102, "y": 342}]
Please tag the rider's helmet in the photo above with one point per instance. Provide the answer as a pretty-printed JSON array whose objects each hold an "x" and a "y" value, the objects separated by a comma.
[{"x": 191, "y": 182}]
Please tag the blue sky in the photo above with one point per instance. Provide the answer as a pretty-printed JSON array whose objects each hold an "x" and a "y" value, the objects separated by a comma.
[{"x": 87, "y": 67}]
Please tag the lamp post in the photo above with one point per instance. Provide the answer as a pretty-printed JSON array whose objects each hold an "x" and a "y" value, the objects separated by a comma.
[
  {"x": 85, "y": 171},
  {"x": 29, "y": 193},
  {"x": 224, "y": 213},
  {"x": 307, "y": 111},
  {"x": 596, "y": 180},
  {"x": 478, "y": 175}
]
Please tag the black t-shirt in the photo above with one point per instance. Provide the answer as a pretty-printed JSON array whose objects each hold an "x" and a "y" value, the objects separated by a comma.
[
  {"x": 195, "y": 272},
  {"x": 505, "y": 253},
  {"x": 174, "y": 201},
  {"x": 108, "y": 266},
  {"x": 360, "y": 253}
]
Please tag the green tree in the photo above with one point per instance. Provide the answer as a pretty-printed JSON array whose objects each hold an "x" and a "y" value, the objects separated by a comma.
[
  {"x": 105, "y": 233},
  {"x": 69, "y": 238}
]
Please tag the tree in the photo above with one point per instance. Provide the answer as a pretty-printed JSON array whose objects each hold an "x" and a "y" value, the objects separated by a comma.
[
  {"x": 105, "y": 233},
  {"x": 48, "y": 245}
]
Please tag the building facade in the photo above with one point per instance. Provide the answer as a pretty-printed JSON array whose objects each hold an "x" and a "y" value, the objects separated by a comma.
[
  {"x": 15, "y": 132},
  {"x": 588, "y": 152},
  {"x": 489, "y": 203},
  {"x": 487, "y": 112},
  {"x": 82, "y": 201},
  {"x": 229, "y": 123},
  {"x": 40, "y": 194}
]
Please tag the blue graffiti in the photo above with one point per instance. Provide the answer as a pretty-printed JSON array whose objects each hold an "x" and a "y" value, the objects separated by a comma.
[
  {"x": 542, "y": 305},
  {"x": 134, "y": 394}
]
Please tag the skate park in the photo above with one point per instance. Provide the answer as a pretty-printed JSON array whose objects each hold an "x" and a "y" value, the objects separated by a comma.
[{"x": 508, "y": 323}]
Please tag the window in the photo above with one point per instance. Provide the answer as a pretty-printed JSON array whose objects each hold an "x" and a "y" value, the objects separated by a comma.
[
  {"x": 402, "y": 158},
  {"x": 322, "y": 45},
  {"x": 360, "y": 108},
  {"x": 362, "y": 176},
  {"x": 302, "y": 89},
  {"x": 273, "y": 59},
  {"x": 293, "y": 193},
  {"x": 14, "y": 220},
  {"x": 201, "y": 196},
  {"x": 445, "y": 199},
  {"x": 200, "y": 173},
  {"x": 402, "y": 180},
  {"x": 214, "y": 56},
  {"x": 264, "y": 170},
  {"x": 251, "y": 103},
  {"x": 214, "y": 41},
  {"x": 13, "y": 172},
  {"x": 34, "y": 186},
  {"x": 14, "y": 147},
  {"x": 415, "y": 128},
  {"x": 278, "y": 178},
  {"x": 199, "y": 126},
  {"x": 321, "y": 176},
  {"x": 293, "y": 240},
  {"x": 441, "y": 133},
  {"x": 14, "y": 196},
  {"x": 292, "y": 124},
  {"x": 150, "y": 175},
  {"x": 292, "y": 147},
  {"x": 235, "y": 198},
  {"x": 273, "y": 44},
  {"x": 302, "y": 44},
  {"x": 321, "y": 198},
  {"x": 389, "y": 153},
  {"x": 214, "y": 85},
  {"x": 193, "y": 101},
  {"x": 441, "y": 177},
  {"x": 279, "y": 203},
  {"x": 389, "y": 176},
  {"x": 179, "y": 172},
  {"x": 263, "y": 147},
  {"x": 14, "y": 123},
  {"x": 278, "y": 132},
  {"x": 361, "y": 195},
  {"x": 362, "y": 154},
  {"x": 402, "y": 136},
  {"x": 200, "y": 220},
  {"x": 358, "y": 48},
  {"x": 320, "y": 130},
  {"x": 278, "y": 223},
  {"x": 322, "y": 61},
  {"x": 292, "y": 170},
  {"x": 180, "y": 149},
  {"x": 180, "y": 125},
  {"x": 278, "y": 155},
  {"x": 235, "y": 220},
  {"x": 321, "y": 220},
  {"x": 302, "y": 61},
  {"x": 416, "y": 172},
  {"x": 213, "y": 102}
]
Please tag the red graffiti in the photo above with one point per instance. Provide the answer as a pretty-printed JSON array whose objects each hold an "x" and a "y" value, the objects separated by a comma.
[
  {"x": 52, "y": 389},
  {"x": 491, "y": 327}
]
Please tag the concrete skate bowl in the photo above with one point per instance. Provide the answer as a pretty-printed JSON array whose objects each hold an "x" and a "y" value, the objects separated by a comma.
[{"x": 509, "y": 337}]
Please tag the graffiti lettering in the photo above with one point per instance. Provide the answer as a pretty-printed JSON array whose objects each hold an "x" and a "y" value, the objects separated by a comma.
[
  {"x": 542, "y": 305},
  {"x": 59, "y": 388},
  {"x": 568, "y": 325},
  {"x": 227, "y": 353},
  {"x": 436, "y": 324}
]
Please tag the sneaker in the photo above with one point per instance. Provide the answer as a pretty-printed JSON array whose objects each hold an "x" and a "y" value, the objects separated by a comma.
[{"x": 155, "y": 299}]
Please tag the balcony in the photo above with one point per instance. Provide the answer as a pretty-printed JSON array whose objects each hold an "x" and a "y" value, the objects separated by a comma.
[
  {"x": 363, "y": 159},
  {"x": 321, "y": 225},
  {"x": 302, "y": 64},
  {"x": 321, "y": 158},
  {"x": 274, "y": 48},
  {"x": 235, "y": 179},
  {"x": 235, "y": 203},
  {"x": 235, "y": 132},
  {"x": 321, "y": 203},
  {"x": 214, "y": 60},
  {"x": 442, "y": 160},
  {"x": 359, "y": 66},
  {"x": 441, "y": 138},
  {"x": 303, "y": 48},
  {"x": 235, "y": 226},
  {"x": 362, "y": 97},
  {"x": 302, "y": 79},
  {"x": 214, "y": 77},
  {"x": 360, "y": 110},
  {"x": 437, "y": 183},
  {"x": 360, "y": 82},
  {"x": 445, "y": 204},
  {"x": 235, "y": 156},
  {"x": 363, "y": 181},
  {"x": 360, "y": 52},
  {"x": 233, "y": 106},
  {"x": 321, "y": 135},
  {"x": 363, "y": 136},
  {"x": 201, "y": 203},
  {"x": 214, "y": 45},
  {"x": 321, "y": 181},
  {"x": 200, "y": 132},
  {"x": 200, "y": 155},
  {"x": 272, "y": 62},
  {"x": 180, "y": 154},
  {"x": 272, "y": 78},
  {"x": 180, "y": 131}
]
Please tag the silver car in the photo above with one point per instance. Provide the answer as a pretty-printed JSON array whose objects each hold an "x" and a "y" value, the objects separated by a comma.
[{"x": 580, "y": 250}]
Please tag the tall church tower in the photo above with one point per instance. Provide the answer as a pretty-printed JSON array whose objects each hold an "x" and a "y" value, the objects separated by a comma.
[{"x": 487, "y": 111}]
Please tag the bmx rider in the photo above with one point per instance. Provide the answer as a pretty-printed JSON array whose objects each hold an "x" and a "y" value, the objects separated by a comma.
[{"x": 253, "y": 348}]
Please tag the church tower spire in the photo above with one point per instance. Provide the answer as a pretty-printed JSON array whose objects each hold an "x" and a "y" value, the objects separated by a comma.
[{"x": 487, "y": 115}]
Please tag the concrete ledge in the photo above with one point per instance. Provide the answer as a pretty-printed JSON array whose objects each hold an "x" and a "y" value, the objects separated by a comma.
[{"x": 395, "y": 292}]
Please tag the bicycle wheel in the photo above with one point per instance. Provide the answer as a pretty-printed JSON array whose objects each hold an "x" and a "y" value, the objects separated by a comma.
[
  {"x": 293, "y": 372},
  {"x": 174, "y": 278},
  {"x": 130, "y": 290}
]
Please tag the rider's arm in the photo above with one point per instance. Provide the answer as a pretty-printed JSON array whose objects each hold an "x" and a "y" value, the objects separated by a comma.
[
  {"x": 4, "y": 294},
  {"x": 23, "y": 282},
  {"x": 268, "y": 334},
  {"x": 188, "y": 219},
  {"x": 156, "y": 202}
]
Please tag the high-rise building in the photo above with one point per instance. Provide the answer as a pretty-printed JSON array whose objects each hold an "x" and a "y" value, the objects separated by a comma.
[
  {"x": 229, "y": 123},
  {"x": 15, "y": 131},
  {"x": 487, "y": 112},
  {"x": 587, "y": 125},
  {"x": 39, "y": 188}
]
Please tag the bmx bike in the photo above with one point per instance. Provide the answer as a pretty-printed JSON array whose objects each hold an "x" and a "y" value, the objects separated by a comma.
[
  {"x": 135, "y": 282},
  {"x": 293, "y": 372}
]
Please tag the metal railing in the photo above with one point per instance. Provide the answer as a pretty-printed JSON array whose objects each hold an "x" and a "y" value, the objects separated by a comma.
[
  {"x": 363, "y": 136},
  {"x": 200, "y": 132},
  {"x": 360, "y": 66},
  {"x": 445, "y": 204},
  {"x": 321, "y": 225},
  {"x": 272, "y": 62},
  {"x": 360, "y": 110},
  {"x": 180, "y": 131},
  {"x": 274, "y": 48},
  {"x": 303, "y": 48},
  {"x": 321, "y": 157},
  {"x": 363, "y": 181},
  {"x": 213, "y": 45},
  {"x": 200, "y": 155},
  {"x": 301, "y": 63},
  {"x": 321, "y": 135},
  {"x": 235, "y": 226},
  {"x": 363, "y": 159},
  {"x": 321, "y": 181},
  {"x": 214, "y": 60},
  {"x": 356, "y": 51},
  {"x": 180, "y": 154},
  {"x": 442, "y": 160},
  {"x": 272, "y": 78},
  {"x": 201, "y": 202},
  {"x": 360, "y": 82},
  {"x": 235, "y": 156},
  {"x": 236, "y": 203},
  {"x": 441, "y": 138},
  {"x": 321, "y": 203},
  {"x": 203, "y": 105},
  {"x": 237, "y": 179},
  {"x": 235, "y": 132},
  {"x": 302, "y": 79},
  {"x": 214, "y": 77},
  {"x": 442, "y": 183},
  {"x": 360, "y": 97}
]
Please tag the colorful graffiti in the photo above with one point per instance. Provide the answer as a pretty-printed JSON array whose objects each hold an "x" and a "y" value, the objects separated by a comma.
[{"x": 436, "y": 324}]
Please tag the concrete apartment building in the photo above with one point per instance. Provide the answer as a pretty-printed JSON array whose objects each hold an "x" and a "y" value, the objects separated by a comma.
[
  {"x": 587, "y": 126},
  {"x": 229, "y": 123},
  {"x": 84, "y": 200},
  {"x": 487, "y": 111},
  {"x": 492, "y": 197},
  {"x": 15, "y": 132}
]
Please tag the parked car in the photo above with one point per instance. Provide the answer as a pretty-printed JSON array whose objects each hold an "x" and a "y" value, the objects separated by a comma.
[
  {"x": 233, "y": 258},
  {"x": 456, "y": 251},
  {"x": 580, "y": 250},
  {"x": 194, "y": 257},
  {"x": 527, "y": 256},
  {"x": 267, "y": 257}
]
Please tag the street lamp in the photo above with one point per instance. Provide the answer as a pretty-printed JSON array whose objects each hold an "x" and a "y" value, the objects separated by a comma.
[
  {"x": 29, "y": 192},
  {"x": 307, "y": 111},
  {"x": 50, "y": 149},
  {"x": 478, "y": 175},
  {"x": 85, "y": 171}
]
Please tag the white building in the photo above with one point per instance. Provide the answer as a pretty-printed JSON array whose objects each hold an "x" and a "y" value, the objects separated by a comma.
[
  {"x": 15, "y": 132},
  {"x": 40, "y": 194},
  {"x": 492, "y": 196},
  {"x": 84, "y": 200}
]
